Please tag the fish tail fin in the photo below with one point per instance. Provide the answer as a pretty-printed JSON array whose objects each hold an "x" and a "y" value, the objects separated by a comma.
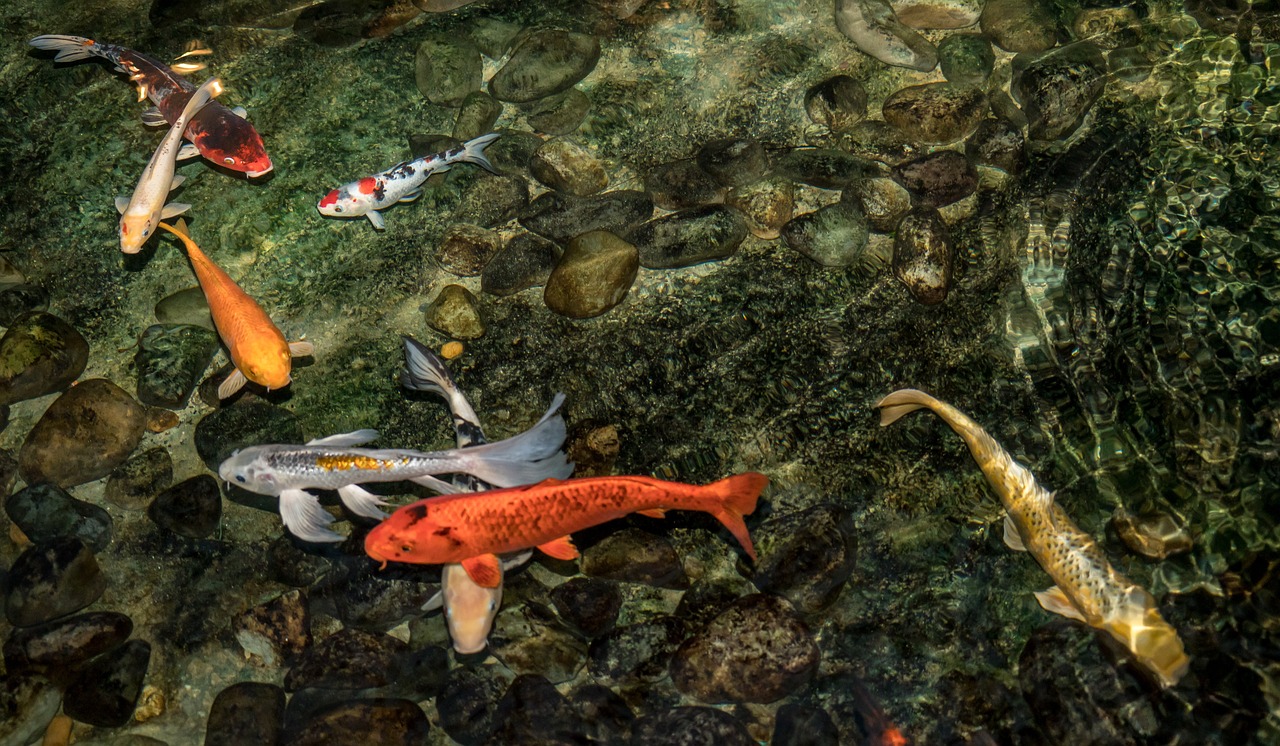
[
  {"x": 209, "y": 90},
  {"x": 424, "y": 370},
  {"x": 69, "y": 48},
  {"x": 473, "y": 151},
  {"x": 179, "y": 229},
  {"x": 1137, "y": 624},
  {"x": 734, "y": 497},
  {"x": 527, "y": 458},
  {"x": 903, "y": 402}
]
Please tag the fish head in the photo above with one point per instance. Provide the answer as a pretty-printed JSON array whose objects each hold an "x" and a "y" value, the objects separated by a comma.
[
  {"x": 250, "y": 469},
  {"x": 228, "y": 140},
  {"x": 410, "y": 535},
  {"x": 269, "y": 367},
  {"x": 1153, "y": 641},
  {"x": 469, "y": 609},
  {"x": 135, "y": 230},
  {"x": 344, "y": 202}
]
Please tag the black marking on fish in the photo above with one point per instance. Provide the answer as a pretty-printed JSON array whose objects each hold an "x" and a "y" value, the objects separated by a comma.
[
  {"x": 447, "y": 533},
  {"x": 415, "y": 513}
]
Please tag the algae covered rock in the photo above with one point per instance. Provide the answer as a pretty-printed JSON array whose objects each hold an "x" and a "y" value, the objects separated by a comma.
[
  {"x": 52, "y": 579},
  {"x": 465, "y": 249},
  {"x": 83, "y": 435},
  {"x": 447, "y": 68},
  {"x": 559, "y": 115},
  {"x": 766, "y": 205},
  {"x": 938, "y": 179},
  {"x": 170, "y": 360},
  {"x": 45, "y": 512},
  {"x": 936, "y": 113},
  {"x": 106, "y": 692},
  {"x": 966, "y": 59},
  {"x": 680, "y": 184},
  {"x": 16, "y": 300},
  {"x": 477, "y": 114},
  {"x": 526, "y": 261},
  {"x": 688, "y": 237},
  {"x": 382, "y": 720},
  {"x": 807, "y": 557},
  {"x": 134, "y": 483},
  {"x": 837, "y": 103},
  {"x": 1020, "y": 25},
  {"x": 923, "y": 257},
  {"x": 560, "y": 217},
  {"x": 690, "y": 725},
  {"x": 593, "y": 275},
  {"x": 734, "y": 161},
  {"x": 455, "y": 312},
  {"x": 833, "y": 236},
  {"x": 190, "y": 508},
  {"x": 247, "y": 712},
  {"x": 1056, "y": 89},
  {"x": 187, "y": 306},
  {"x": 39, "y": 354},
  {"x": 568, "y": 167},
  {"x": 544, "y": 63}
]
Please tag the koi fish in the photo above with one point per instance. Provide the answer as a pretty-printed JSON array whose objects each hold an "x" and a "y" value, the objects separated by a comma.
[
  {"x": 258, "y": 350},
  {"x": 473, "y": 529},
  {"x": 469, "y": 609},
  {"x": 223, "y": 136},
  {"x": 400, "y": 183},
  {"x": 335, "y": 463},
  {"x": 140, "y": 213},
  {"x": 1088, "y": 589}
]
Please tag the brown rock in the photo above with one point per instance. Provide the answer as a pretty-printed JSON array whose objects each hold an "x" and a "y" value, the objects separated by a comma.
[
  {"x": 936, "y": 113},
  {"x": 39, "y": 354},
  {"x": 593, "y": 275},
  {"x": 83, "y": 435}
]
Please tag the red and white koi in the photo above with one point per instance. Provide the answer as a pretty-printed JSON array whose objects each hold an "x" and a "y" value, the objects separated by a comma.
[{"x": 400, "y": 183}]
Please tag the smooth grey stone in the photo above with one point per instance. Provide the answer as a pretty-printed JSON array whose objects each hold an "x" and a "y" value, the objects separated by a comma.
[
  {"x": 837, "y": 103},
  {"x": 447, "y": 67},
  {"x": 50, "y": 580},
  {"x": 1057, "y": 89},
  {"x": 734, "y": 162},
  {"x": 106, "y": 692},
  {"x": 923, "y": 258},
  {"x": 560, "y": 217},
  {"x": 86, "y": 432},
  {"x": 240, "y": 425},
  {"x": 688, "y": 237},
  {"x": 16, "y": 300},
  {"x": 245, "y": 714},
  {"x": 455, "y": 312},
  {"x": 28, "y": 703},
  {"x": 185, "y": 307},
  {"x": 559, "y": 115},
  {"x": 39, "y": 354},
  {"x": 938, "y": 179},
  {"x": 593, "y": 275},
  {"x": 170, "y": 361},
  {"x": 824, "y": 168},
  {"x": 690, "y": 725},
  {"x": 477, "y": 114},
  {"x": 526, "y": 261},
  {"x": 57, "y": 648},
  {"x": 133, "y": 484},
  {"x": 874, "y": 28},
  {"x": 966, "y": 59},
  {"x": 935, "y": 113},
  {"x": 46, "y": 511},
  {"x": 833, "y": 236},
  {"x": 190, "y": 508},
  {"x": 544, "y": 63}
]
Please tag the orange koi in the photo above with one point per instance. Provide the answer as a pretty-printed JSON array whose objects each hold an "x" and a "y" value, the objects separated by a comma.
[{"x": 473, "y": 529}]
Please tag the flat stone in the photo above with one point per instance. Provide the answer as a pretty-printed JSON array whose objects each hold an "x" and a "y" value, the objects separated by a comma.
[
  {"x": 681, "y": 184},
  {"x": 465, "y": 249},
  {"x": 568, "y": 167},
  {"x": 492, "y": 201},
  {"x": 525, "y": 262},
  {"x": 544, "y": 63},
  {"x": 185, "y": 307},
  {"x": 39, "y": 354},
  {"x": 635, "y": 556},
  {"x": 532, "y": 710},
  {"x": 593, "y": 275},
  {"x": 734, "y": 162},
  {"x": 347, "y": 659},
  {"x": 528, "y": 639},
  {"x": 882, "y": 200},
  {"x": 824, "y": 168},
  {"x": 560, "y": 217},
  {"x": 936, "y": 113},
  {"x": 190, "y": 508},
  {"x": 58, "y": 647},
  {"x": 455, "y": 311},
  {"x": 997, "y": 144},
  {"x": 394, "y": 722},
  {"x": 690, "y": 725},
  {"x": 337, "y": 23},
  {"x": 477, "y": 114},
  {"x": 105, "y": 693},
  {"x": 83, "y": 435},
  {"x": 50, "y": 580},
  {"x": 133, "y": 484},
  {"x": 923, "y": 257},
  {"x": 246, "y": 713},
  {"x": 608, "y": 716},
  {"x": 689, "y": 237},
  {"x": 492, "y": 36},
  {"x": 28, "y": 704},
  {"x": 1056, "y": 89},
  {"x": 447, "y": 68},
  {"x": 766, "y": 205},
  {"x": 45, "y": 512},
  {"x": 170, "y": 361},
  {"x": 938, "y": 179},
  {"x": 876, "y": 31},
  {"x": 561, "y": 114},
  {"x": 937, "y": 14},
  {"x": 240, "y": 425}
]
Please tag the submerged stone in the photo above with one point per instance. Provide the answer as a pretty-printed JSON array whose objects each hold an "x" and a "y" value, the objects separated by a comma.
[
  {"x": 606, "y": 713},
  {"x": 190, "y": 508},
  {"x": 60, "y": 646},
  {"x": 83, "y": 435},
  {"x": 170, "y": 361},
  {"x": 566, "y": 166},
  {"x": 837, "y": 103},
  {"x": 874, "y": 28},
  {"x": 28, "y": 704},
  {"x": 882, "y": 200},
  {"x": 240, "y": 425},
  {"x": 1057, "y": 89},
  {"x": 997, "y": 144},
  {"x": 46, "y": 511},
  {"x": 16, "y": 300},
  {"x": 465, "y": 249},
  {"x": 394, "y": 722},
  {"x": 681, "y": 184},
  {"x": 707, "y": 599},
  {"x": 766, "y": 205},
  {"x": 690, "y": 725},
  {"x": 1155, "y": 535},
  {"x": 447, "y": 68},
  {"x": 468, "y": 702},
  {"x": 133, "y": 484},
  {"x": 734, "y": 162},
  {"x": 337, "y": 23},
  {"x": 532, "y": 710},
  {"x": 560, "y": 217},
  {"x": 806, "y": 557},
  {"x": 689, "y": 237},
  {"x": 544, "y": 63},
  {"x": 923, "y": 257},
  {"x": 938, "y": 179},
  {"x": 492, "y": 36},
  {"x": 492, "y": 201},
  {"x": 455, "y": 311},
  {"x": 347, "y": 659},
  {"x": 593, "y": 275},
  {"x": 834, "y": 236},
  {"x": 559, "y": 115},
  {"x": 529, "y": 640},
  {"x": 824, "y": 168},
  {"x": 937, "y": 14},
  {"x": 966, "y": 59},
  {"x": 246, "y": 713},
  {"x": 1019, "y": 25},
  {"x": 936, "y": 113},
  {"x": 185, "y": 307},
  {"x": 477, "y": 114},
  {"x": 525, "y": 262},
  {"x": 587, "y": 605},
  {"x": 105, "y": 693},
  {"x": 878, "y": 140},
  {"x": 804, "y": 725},
  {"x": 276, "y": 631},
  {"x": 636, "y": 652},
  {"x": 39, "y": 354},
  {"x": 50, "y": 580},
  {"x": 635, "y": 556}
]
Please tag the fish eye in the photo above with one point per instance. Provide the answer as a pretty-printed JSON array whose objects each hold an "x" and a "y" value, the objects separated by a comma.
[
  {"x": 229, "y": 161},
  {"x": 146, "y": 232},
  {"x": 493, "y": 606},
  {"x": 240, "y": 478},
  {"x": 406, "y": 547},
  {"x": 338, "y": 209}
]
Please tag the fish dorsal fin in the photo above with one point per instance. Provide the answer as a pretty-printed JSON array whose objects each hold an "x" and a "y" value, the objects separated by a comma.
[
  {"x": 484, "y": 569},
  {"x": 1012, "y": 538},
  {"x": 153, "y": 118},
  {"x": 561, "y": 549},
  {"x": 1053, "y": 600},
  {"x": 342, "y": 440}
]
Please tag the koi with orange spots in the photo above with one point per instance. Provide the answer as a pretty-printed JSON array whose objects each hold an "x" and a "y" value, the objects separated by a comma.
[{"x": 338, "y": 463}]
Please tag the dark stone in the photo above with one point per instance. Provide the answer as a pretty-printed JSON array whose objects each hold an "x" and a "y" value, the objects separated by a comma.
[
  {"x": 57, "y": 647},
  {"x": 998, "y": 144},
  {"x": 246, "y": 714},
  {"x": 705, "y": 601},
  {"x": 476, "y": 117},
  {"x": 837, "y": 103},
  {"x": 638, "y": 651},
  {"x": 938, "y": 179},
  {"x": 923, "y": 257},
  {"x": 592, "y": 446},
  {"x": 277, "y": 631},
  {"x": 1057, "y": 88},
  {"x": 544, "y": 63},
  {"x": 827, "y": 169},
  {"x": 290, "y": 564},
  {"x": 681, "y": 184},
  {"x": 588, "y": 606},
  {"x": 492, "y": 201},
  {"x": 529, "y": 640},
  {"x": 607, "y": 715},
  {"x": 465, "y": 249},
  {"x": 806, "y": 557},
  {"x": 635, "y": 556},
  {"x": 690, "y": 726},
  {"x": 170, "y": 360},
  {"x": 16, "y": 300},
  {"x": 882, "y": 200},
  {"x": 858, "y": 716},
  {"x": 337, "y": 23},
  {"x": 240, "y": 425},
  {"x": 424, "y": 145},
  {"x": 46, "y": 511},
  {"x": 511, "y": 153},
  {"x": 734, "y": 162},
  {"x": 39, "y": 354},
  {"x": 360, "y": 722},
  {"x": 137, "y": 481},
  {"x": 559, "y": 115},
  {"x": 8, "y": 471},
  {"x": 935, "y": 113},
  {"x": 804, "y": 725},
  {"x": 532, "y": 711},
  {"x": 370, "y": 600},
  {"x": 86, "y": 432},
  {"x": 27, "y": 705},
  {"x": 494, "y": 37},
  {"x": 468, "y": 703},
  {"x": 106, "y": 691},
  {"x": 190, "y": 508},
  {"x": 688, "y": 237},
  {"x": 52, "y": 579},
  {"x": 347, "y": 659},
  {"x": 525, "y": 262},
  {"x": 560, "y": 217},
  {"x": 834, "y": 236}
]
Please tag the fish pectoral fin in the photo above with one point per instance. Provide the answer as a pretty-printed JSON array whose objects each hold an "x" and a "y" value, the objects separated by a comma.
[
  {"x": 515, "y": 560},
  {"x": 361, "y": 501},
  {"x": 435, "y": 602},
  {"x": 234, "y": 383},
  {"x": 375, "y": 217},
  {"x": 153, "y": 118},
  {"x": 301, "y": 348},
  {"x": 187, "y": 152},
  {"x": 302, "y": 515},
  {"x": 344, "y": 440},
  {"x": 1012, "y": 538},
  {"x": 122, "y": 204},
  {"x": 176, "y": 181},
  {"x": 411, "y": 196},
  {"x": 654, "y": 512},
  {"x": 561, "y": 549},
  {"x": 437, "y": 484},
  {"x": 1055, "y": 601},
  {"x": 484, "y": 570},
  {"x": 173, "y": 209},
  {"x": 240, "y": 112}
]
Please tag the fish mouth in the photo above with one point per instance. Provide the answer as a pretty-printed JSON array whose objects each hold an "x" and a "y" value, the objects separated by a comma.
[{"x": 256, "y": 174}]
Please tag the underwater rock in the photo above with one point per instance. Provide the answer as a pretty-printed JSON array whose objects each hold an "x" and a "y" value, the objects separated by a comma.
[
  {"x": 106, "y": 691},
  {"x": 635, "y": 556},
  {"x": 441, "y": 6},
  {"x": 8, "y": 471},
  {"x": 246, "y": 713},
  {"x": 394, "y": 722},
  {"x": 559, "y": 217},
  {"x": 16, "y": 300},
  {"x": 477, "y": 114},
  {"x": 276, "y": 631},
  {"x": 837, "y": 103},
  {"x": 337, "y": 23},
  {"x": 806, "y": 557},
  {"x": 1130, "y": 64},
  {"x": 465, "y": 249},
  {"x": 587, "y": 605},
  {"x": 758, "y": 650},
  {"x": 938, "y": 179},
  {"x": 877, "y": 140},
  {"x": 689, "y": 237},
  {"x": 568, "y": 167},
  {"x": 997, "y": 144},
  {"x": 937, "y": 14},
  {"x": 559, "y": 115},
  {"x": 525, "y": 262},
  {"x": 872, "y": 26},
  {"x": 593, "y": 275},
  {"x": 133, "y": 484},
  {"x": 9, "y": 274},
  {"x": 1155, "y": 535},
  {"x": 734, "y": 162},
  {"x": 510, "y": 153},
  {"x": 681, "y": 184},
  {"x": 28, "y": 703},
  {"x": 824, "y": 168},
  {"x": 706, "y": 600},
  {"x": 804, "y": 725},
  {"x": 369, "y": 600},
  {"x": 39, "y": 354},
  {"x": 265, "y": 14},
  {"x": 635, "y": 652},
  {"x": 834, "y": 236},
  {"x": 447, "y": 67},
  {"x": 456, "y": 313},
  {"x": 86, "y": 432},
  {"x": 766, "y": 205},
  {"x": 185, "y": 307},
  {"x": 592, "y": 447},
  {"x": 347, "y": 659},
  {"x": 690, "y": 725},
  {"x": 46, "y": 511},
  {"x": 241, "y": 425},
  {"x": 544, "y": 63},
  {"x": 533, "y": 711},
  {"x": 936, "y": 113},
  {"x": 393, "y": 15},
  {"x": 421, "y": 145},
  {"x": 468, "y": 703},
  {"x": 607, "y": 715},
  {"x": 492, "y": 36},
  {"x": 528, "y": 640},
  {"x": 492, "y": 201},
  {"x": 170, "y": 360},
  {"x": 923, "y": 257},
  {"x": 290, "y": 564},
  {"x": 1019, "y": 25},
  {"x": 1057, "y": 89},
  {"x": 966, "y": 59},
  {"x": 52, "y": 579},
  {"x": 56, "y": 649},
  {"x": 190, "y": 508},
  {"x": 882, "y": 200}
]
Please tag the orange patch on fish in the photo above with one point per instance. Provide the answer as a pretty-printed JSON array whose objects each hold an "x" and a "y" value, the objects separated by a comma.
[
  {"x": 349, "y": 462},
  {"x": 368, "y": 184}
]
